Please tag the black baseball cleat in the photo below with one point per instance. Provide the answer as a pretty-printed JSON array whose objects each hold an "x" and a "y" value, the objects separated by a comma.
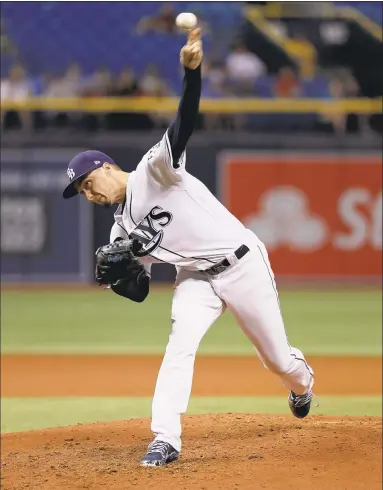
[
  {"x": 159, "y": 454},
  {"x": 300, "y": 404}
]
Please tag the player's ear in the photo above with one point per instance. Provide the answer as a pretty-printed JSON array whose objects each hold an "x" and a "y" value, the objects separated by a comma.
[{"x": 107, "y": 167}]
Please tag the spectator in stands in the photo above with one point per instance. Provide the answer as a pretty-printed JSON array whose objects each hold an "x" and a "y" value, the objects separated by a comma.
[
  {"x": 350, "y": 85},
  {"x": 243, "y": 68},
  {"x": 99, "y": 84},
  {"x": 163, "y": 21},
  {"x": 153, "y": 85},
  {"x": 215, "y": 79},
  {"x": 336, "y": 120},
  {"x": 70, "y": 85},
  {"x": 41, "y": 83},
  {"x": 126, "y": 84},
  {"x": 16, "y": 88},
  {"x": 217, "y": 85},
  {"x": 53, "y": 87},
  {"x": 351, "y": 90},
  {"x": 342, "y": 86},
  {"x": 287, "y": 83},
  {"x": 73, "y": 80},
  {"x": 304, "y": 53}
]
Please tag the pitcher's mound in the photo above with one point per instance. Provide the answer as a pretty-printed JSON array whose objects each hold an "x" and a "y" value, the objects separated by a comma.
[{"x": 224, "y": 452}]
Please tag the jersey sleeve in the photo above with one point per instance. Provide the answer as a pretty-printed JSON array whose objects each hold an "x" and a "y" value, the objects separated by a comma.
[
  {"x": 160, "y": 164},
  {"x": 118, "y": 233},
  {"x": 166, "y": 160}
]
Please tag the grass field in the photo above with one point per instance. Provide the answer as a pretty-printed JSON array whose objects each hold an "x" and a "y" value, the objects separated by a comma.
[
  {"x": 332, "y": 322},
  {"x": 38, "y": 413},
  {"x": 326, "y": 322}
]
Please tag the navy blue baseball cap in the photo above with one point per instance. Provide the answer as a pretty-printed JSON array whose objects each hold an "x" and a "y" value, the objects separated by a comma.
[{"x": 82, "y": 164}]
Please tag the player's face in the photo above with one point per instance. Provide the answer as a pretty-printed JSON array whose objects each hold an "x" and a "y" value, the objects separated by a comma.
[{"x": 98, "y": 187}]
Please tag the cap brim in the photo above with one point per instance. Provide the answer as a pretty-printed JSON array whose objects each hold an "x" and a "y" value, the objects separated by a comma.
[{"x": 70, "y": 190}]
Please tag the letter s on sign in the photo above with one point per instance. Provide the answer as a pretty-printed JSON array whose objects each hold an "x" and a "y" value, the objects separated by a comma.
[
  {"x": 364, "y": 228},
  {"x": 353, "y": 218}
]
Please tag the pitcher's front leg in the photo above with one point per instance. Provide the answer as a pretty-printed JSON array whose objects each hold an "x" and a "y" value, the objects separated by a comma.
[{"x": 195, "y": 308}]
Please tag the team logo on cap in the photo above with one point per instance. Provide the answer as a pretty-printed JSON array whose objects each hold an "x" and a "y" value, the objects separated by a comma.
[{"x": 70, "y": 173}]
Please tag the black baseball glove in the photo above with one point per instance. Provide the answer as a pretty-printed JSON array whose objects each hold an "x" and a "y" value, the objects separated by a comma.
[{"x": 117, "y": 262}]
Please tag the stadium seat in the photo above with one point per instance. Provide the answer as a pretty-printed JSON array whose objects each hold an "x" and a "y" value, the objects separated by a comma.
[{"x": 49, "y": 36}]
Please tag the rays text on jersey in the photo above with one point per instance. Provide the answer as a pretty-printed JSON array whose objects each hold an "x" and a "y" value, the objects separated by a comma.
[{"x": 150, "y": 229}]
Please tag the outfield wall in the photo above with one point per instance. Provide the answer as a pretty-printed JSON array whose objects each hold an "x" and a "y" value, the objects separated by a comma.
[{"x": 316, "y": 202}]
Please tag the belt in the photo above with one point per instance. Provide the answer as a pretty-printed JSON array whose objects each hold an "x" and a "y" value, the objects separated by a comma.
[{"x": 221, "y": 266}]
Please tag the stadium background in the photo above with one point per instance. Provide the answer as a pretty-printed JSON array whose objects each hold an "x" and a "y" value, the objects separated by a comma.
[{"x": 295, "y": 154}]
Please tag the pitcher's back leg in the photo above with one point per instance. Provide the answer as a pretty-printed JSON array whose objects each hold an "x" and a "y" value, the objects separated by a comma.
[{"x": 250, "y": 293}]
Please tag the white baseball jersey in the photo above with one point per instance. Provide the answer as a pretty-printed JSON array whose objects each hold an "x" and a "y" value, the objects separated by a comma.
[
  {"x": 174, "y": 215},
  {"x": 180, "y": 222}
]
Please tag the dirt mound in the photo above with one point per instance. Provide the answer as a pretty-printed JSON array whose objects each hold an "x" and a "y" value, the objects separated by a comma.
[{"x": 231, "y": 451}]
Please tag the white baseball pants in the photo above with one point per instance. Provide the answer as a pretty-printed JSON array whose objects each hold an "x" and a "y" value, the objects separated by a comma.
[{"x": 248, "y": 289}]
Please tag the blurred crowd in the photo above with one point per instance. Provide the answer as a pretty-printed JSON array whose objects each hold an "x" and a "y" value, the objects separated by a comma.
[
  {"x": 244, "y": 75},
  {"x": 239, "y": 73},
  {"x": 73, "y": 83},
  {"x": 236, "y": 76}
]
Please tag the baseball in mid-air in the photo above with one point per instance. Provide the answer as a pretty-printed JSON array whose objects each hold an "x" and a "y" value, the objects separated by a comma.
[{"x": 186, "y": 20}]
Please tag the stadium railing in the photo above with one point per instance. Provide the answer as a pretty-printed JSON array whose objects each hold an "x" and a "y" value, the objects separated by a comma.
[{"x": 227, "y": 105}]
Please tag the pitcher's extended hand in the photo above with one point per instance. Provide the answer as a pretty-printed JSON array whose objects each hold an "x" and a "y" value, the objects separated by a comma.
[{"x": 191, "y": 54}]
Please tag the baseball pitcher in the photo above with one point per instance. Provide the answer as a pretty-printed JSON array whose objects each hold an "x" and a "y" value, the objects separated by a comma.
[{"x": 165, "y": 215}]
